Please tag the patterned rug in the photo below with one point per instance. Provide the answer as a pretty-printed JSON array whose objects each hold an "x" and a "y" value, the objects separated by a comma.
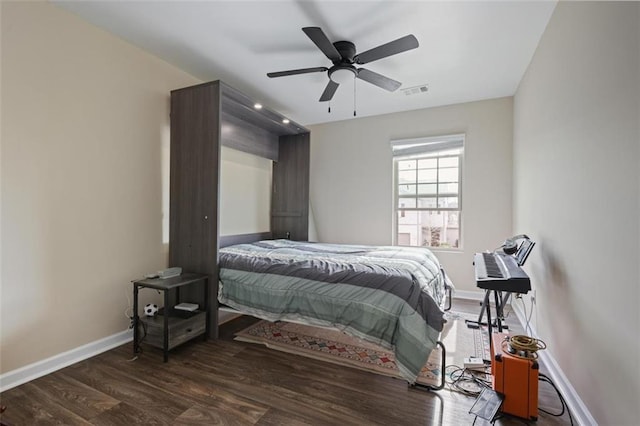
[{"x": 334, "y": 346}]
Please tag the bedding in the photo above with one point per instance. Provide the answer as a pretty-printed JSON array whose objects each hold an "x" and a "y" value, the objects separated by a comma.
[{"x": 391, "y": 296}]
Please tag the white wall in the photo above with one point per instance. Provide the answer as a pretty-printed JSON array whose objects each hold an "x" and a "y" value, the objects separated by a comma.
[
  {"x": 245, "y": 193},
  {"x": 85, "y": 119},
  {"x": 576, "y": 190},
  {"x": 352, "y": 174}
]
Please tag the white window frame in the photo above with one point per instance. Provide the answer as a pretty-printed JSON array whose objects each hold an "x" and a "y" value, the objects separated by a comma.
[{"x": 428, "y": 147}]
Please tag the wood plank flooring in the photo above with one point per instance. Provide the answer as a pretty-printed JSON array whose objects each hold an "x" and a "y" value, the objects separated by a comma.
[{"x": 236, "y": 383}]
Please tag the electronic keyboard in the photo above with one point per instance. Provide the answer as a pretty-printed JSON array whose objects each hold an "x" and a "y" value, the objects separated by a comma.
[{"x": 500, "y": 272}]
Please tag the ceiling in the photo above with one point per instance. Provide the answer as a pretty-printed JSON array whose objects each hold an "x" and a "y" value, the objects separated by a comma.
[{"x": 468, "y": 50}]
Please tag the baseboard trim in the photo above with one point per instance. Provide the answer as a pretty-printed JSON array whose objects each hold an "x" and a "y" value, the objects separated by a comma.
[
  {"x": 579, "y": 411},
  {"x": 38, "y": 369},
  {"x": 227, "y": 316},
  {"x": 469, "y": 295}
]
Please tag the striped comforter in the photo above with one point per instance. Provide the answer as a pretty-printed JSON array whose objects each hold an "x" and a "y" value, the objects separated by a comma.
[{"x": 390, "y": 296}]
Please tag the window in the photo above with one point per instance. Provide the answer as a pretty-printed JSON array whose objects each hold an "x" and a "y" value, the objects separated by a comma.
[{"x": 427, "y": 191}]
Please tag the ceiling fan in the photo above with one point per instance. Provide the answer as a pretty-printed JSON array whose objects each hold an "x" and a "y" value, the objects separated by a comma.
[{"x": 344, "y": 58}]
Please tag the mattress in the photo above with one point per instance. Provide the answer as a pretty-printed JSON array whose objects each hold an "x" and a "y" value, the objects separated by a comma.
[{"x": 388, "y": 295}]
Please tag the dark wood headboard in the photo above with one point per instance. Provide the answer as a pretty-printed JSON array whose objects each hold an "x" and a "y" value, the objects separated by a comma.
[{"x": 229, "y": 240}]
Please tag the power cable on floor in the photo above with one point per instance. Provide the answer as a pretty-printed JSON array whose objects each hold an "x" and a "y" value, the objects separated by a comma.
[{"x": 565, "y": 406}]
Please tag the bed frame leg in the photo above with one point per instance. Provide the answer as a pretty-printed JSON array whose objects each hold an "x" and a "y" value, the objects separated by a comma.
[
  {"x": 449, "y": 291},
  {"x": 443, "y": 361}
]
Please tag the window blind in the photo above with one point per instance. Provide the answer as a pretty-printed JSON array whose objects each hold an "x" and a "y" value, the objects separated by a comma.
[{"x": 408, "y": 147}]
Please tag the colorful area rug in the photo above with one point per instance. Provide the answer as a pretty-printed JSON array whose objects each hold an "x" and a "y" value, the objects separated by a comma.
[{"x": 334, "y": 346}]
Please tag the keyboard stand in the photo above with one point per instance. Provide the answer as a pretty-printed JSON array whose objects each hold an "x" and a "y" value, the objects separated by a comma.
[
  {"x": 498, "y": 295},
  {"x": 499, "y": 310},
  {"x": 499, "y": 302}
]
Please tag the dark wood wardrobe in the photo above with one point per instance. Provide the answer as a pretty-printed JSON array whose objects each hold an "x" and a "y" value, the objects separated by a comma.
[{"x": 204, "y": 118}]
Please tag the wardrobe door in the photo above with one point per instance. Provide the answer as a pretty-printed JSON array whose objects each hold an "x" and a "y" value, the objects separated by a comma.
[{"x": 194, "y": 176}]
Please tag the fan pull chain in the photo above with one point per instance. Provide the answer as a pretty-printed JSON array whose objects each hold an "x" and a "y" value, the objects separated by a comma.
[
  {"x": 329, "y": 111},
  {"x": 354, "y": 96}
]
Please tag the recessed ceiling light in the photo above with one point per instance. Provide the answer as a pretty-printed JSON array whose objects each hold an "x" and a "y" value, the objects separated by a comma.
[
  {"x": 257, "y": 106},
  {"x": 285, "y": 120}
]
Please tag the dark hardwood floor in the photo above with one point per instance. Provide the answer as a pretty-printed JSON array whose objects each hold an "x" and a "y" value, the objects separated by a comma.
[{"x": 235, "y": 383}]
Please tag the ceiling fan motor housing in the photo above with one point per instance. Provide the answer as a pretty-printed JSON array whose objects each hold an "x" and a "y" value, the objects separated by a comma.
[{"x": 347, "y": 50}]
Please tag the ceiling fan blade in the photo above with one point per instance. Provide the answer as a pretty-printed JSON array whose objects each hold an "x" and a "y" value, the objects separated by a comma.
[
  {"x": 294, "y": 72},
  {"x": 393, "y": 47},
  {"x": 329, "y": 91},
  {"x": 320, "y": 39},
  {"x": 378, "y": 79}
]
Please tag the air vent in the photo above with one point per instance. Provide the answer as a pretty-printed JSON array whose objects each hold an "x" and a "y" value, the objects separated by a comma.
[{"x": 415, "y": 90}]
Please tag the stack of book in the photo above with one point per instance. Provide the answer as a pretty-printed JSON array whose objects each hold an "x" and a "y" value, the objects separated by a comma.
[{"x": 185, "y": 310}]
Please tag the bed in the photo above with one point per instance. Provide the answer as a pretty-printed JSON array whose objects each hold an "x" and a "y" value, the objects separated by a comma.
[{"x": 391, "y": 296}]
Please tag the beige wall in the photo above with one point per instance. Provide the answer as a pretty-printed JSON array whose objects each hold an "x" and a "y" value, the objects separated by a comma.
[
  {"x": 352, "y": 175},
  {"x": 85, "y": 119},
  {"x": 576, "y": 190}
]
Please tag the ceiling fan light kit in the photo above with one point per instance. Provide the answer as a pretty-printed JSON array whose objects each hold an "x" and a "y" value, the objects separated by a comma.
[
  {"x": 342, "y": 75},
  {"x": 343, "y": 56}
]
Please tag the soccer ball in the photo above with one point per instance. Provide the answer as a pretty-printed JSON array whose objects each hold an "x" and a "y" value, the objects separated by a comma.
[{"x": 150, "y": 309}]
